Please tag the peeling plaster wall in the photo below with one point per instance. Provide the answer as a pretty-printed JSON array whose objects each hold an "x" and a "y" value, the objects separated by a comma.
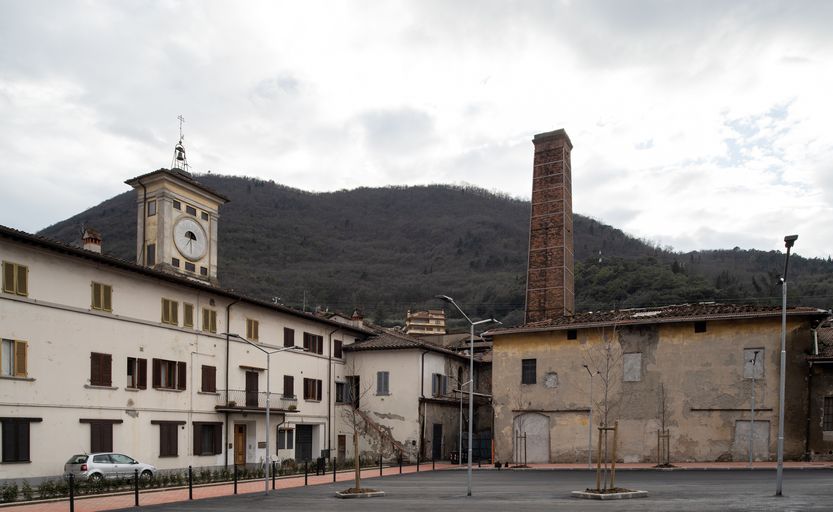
[
  {"x": 698, "y": 370},
  {"x": 821, "y": 442}
]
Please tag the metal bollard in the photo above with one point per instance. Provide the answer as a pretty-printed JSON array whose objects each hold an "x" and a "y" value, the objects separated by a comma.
[
  {"x": 433, "y": 467},
  {"x": 306, "y": 471},
  {"x": 335, "y": 463},
  {"x": 380, "y": 464},
  {"x": 71, "y": 493},
  {"x": 417, "y": 462},
  {"x": 190, "y": 482},
  {"x": 400, "y": 463},
  {"x": 274, "y": 470},
  {"x": 235, "y": 479},
  {"x": 136, "y": 486}
]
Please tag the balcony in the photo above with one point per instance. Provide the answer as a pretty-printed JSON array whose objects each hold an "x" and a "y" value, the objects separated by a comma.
[{"x": 236, "y": 400}]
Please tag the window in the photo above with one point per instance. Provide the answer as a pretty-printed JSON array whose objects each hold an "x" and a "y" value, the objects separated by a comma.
[
  {"x": 337, "y": 349},
  {"x": 632, "y": 367},
  {"x": 572, "y": 334},
  {"x": 209, "y": 320},
  {"x": 700, "y": 326},
  {"x": 382, "y": 383},
  {"x": 286, "y": 439},
  {"x": 314, "y": 343},
  {"x": 170, "y": 312},
  {"x": 15, "y": 278},
  {"x": 753, "y": 363},
  {"x": 190, "y": 210},
  {"x": 439, "y": 384},
  {"x": 252, "y": 329},
  {"x": 102, "y": 297},
  {"x": 528, "y": 371},
  {"x": 16, "y": 438},
  {"x": 169, "y": 374},
  {"x": 150, "y": 256},
  {"x": 203, "y": 271},
  {"x": 341, "y": 393},
  {"x": 203, "y": 216},
  {"x": 177, "y": 205},
  {"x": 137, "y": 373},
  {"x": 312, "y": 389},
  {"x": 13, "y": 358},
  {"x": 208, "y": 438},
  {"x": 101, "y": 434},
  {"x": 209, "y": 379},
  {"x": 288, "y": 386},
  {"x": 187, "y": 315},
  {"x": 827, "y": 420},
  {"x": 168, "y": 437},
  {"x": 288, "y": 337},
  {"x": 151, "y": 208},
  {"x": 101, "y": 369},
  {"x": 190, "y": 267},
  {"x": 175, "y": 262}
]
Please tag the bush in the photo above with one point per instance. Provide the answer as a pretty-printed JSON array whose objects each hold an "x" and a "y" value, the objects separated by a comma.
[
  {"x": 26, "y": 489},
  {"x": 9, "y": 492},
  {"x": 46, "y": 490}
]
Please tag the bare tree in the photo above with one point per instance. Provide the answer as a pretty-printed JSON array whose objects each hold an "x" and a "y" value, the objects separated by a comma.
[{"x": 354, "y": 418}]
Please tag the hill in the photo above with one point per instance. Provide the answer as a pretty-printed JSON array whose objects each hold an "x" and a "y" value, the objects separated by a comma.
[{"x": 387, "y": 250}]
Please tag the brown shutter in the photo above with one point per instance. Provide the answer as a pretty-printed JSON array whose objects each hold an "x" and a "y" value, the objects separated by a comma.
[
  {"x": 142, "y": 378},
  {"x": 288, "y": 337},
  {"x": 163, "y": 441},
  {"x": 95, "y": 369},
  {"x": 107, "y": 369},
  {"x": 213, "y": 321},
  {"x": 180, "y": 375},
  {"x": 157, "y": 373},
  {"x": 20, "y": 358},
  {"x": 318, "y": 394},
  {"x": 205, "y": 323},
  {"x": 288, "y": 385},
  {"x": 108, "y": 297},
  {"x": 197, "y": 438},
  {"x": 96, "y": 291},
  {"x": 218, "y": 439},
  {"x": 337, "y": 349},
  {"x": 8, "y": 277},
  {"x": 22, "y": 280},
  {"x": 175, "y": 312}
]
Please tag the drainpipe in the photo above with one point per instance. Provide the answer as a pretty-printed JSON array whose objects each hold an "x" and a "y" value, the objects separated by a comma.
[
  {"x": 421, "y": 403},
  {"x": 228, "y": 343},
  {"x": 330, "y": 389},
  {"x": 809, "y": 410}
]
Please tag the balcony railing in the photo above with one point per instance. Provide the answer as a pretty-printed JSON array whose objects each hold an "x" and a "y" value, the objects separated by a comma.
[{"x": 242, "y": 399}]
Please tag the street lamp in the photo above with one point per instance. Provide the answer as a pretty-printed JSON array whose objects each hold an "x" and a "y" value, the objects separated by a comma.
[
  {"x": 789, "y": 240},
  {"x": 752, "y": 420},
  {"x": 448, "y": 299},
  {"x": 268, "y": 353},
  {"x": 590, "y": 426}
]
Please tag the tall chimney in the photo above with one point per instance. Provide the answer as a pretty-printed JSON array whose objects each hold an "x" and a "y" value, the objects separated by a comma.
[
  {"x": 92, "y": 240},
  {"x": 549, "y": 281}
]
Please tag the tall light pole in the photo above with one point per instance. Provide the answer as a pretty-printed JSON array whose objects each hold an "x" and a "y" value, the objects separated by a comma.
[
  {"x": 268, "y": 353},
  {"x": 590, "y": 426},
  {"x": 789, "y": 241},
  {"x": 448, "y": 299},
  {"x": 752, "y": 420}
]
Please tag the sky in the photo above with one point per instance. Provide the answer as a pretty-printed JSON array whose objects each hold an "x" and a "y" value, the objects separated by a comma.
[{"x": 695, "y": 125}]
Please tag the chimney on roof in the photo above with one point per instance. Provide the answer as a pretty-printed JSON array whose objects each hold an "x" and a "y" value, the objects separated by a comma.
[
  {"x": 92, "y": 240},
  {"x": 357, "y": 319},
  {"x": 549, "y": 282}
]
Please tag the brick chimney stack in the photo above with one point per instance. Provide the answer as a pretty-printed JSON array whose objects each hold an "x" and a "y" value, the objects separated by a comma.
[
  {"x": 92, "y": 240},
  {"x": 549, "y": 282}
]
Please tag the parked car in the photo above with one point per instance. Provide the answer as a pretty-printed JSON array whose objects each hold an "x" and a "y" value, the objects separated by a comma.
[{"x": 97, "y": 466}]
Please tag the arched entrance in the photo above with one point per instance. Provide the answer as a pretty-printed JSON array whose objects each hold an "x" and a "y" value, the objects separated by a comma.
[{"x": 536, "y": 426}]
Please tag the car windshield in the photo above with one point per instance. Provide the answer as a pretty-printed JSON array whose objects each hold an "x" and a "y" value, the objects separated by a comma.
[{"x": 77, "y": 459}]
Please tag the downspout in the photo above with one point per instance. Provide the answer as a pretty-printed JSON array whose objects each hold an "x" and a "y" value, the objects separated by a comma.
[
  {"x": 330, "y": 390},
  {"x": 228, "y": 343},
  {"x": 810, "y": 394},
  {"x": 421, "y": 403}
]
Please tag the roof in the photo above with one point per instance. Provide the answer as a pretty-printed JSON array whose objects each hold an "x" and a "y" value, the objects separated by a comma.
[
  {"x": 388, "y": 339},
  {"x": 70, "y": 250},
  {"x": 660, "y": 315},
  {"x": 825, "y": 339},
  {"x": 179, "y": 174}
]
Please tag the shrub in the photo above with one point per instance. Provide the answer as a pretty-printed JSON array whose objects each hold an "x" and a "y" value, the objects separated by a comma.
[
  {"x": 46, "y": 490},
  {"x": 26, "y": 489},
  {"x": 9, "y": 492}
]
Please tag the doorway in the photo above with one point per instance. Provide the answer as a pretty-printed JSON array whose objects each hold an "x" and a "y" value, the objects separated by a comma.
[
  {"x": 239, "y": 444},
  {"x": 303, "y": 442},
  {"x": 437, "y": 442},
  {"x": 251, "y": 389},
  {"x": 532, "y": 438}
]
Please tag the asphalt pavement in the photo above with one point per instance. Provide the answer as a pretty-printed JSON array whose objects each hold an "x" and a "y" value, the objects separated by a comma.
[{"x": 522, "y": 490}]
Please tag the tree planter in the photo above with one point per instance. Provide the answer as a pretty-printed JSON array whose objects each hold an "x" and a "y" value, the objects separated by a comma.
[
  {"x": 610, "y": 494},
  {"x": 359, "y": 493}
]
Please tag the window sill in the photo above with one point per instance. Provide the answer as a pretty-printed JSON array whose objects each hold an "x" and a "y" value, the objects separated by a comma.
[
  {"x": 168, "y": 456},
  {"x": 208, "y": 393},
  {"x": 16, "y": 462},
  {"x": 171, "y": 390},
  {"x": 98, "y": 310},
  {"x": 95, "y": 386},
  {"x": 382, "y": 394},
  {"x": 12, "y": 377},
  {"x": 311, "y": 400},
  {"x": 130, "y": 388}
]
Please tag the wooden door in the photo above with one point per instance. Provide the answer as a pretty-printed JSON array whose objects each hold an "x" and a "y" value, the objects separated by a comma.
[
  {"x": 251, "y": 389},
  {"x": 240, "y": 445}
]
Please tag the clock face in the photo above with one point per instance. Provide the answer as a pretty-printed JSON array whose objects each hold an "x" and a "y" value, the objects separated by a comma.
[{"x": 190, "y": 239}]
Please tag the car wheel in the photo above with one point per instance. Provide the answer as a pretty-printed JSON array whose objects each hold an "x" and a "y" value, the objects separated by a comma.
[
  {"x": 96, "y": 478},
  {"x": 147, "y": 474}
]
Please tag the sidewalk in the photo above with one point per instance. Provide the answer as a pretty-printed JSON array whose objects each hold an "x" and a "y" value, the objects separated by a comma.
[
  {"x": 155, "y": 497},
  {"x": 678, "y": 466}
]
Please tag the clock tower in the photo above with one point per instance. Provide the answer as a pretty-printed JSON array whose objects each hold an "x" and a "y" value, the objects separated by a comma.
[{"x": 177, "y": 221}]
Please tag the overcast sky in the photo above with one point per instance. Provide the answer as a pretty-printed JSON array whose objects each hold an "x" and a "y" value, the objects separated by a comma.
[{"x": 695, "y": 124}]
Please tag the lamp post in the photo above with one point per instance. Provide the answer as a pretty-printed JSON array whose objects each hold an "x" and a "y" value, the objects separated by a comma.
[
  {"x": 448, "y": 299},
  {"x": 268, "y": 353},
  {"x": 590, "y": 426},
  {"x": 752, "y": 420},
  {"x": 789, "y": 240}
]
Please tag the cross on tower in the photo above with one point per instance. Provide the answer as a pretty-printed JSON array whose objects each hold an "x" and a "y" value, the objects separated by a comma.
[{"x": 181, "y": 120}]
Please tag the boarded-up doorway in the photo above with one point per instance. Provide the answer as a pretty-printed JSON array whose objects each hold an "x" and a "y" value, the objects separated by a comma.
[
  {"x": 760, "y": 443},
  {"x": 537, "y": 429}
]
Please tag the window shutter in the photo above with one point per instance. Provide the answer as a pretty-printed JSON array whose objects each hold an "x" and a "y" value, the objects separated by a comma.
[
  {"x": 157, "y": 373},
  {"x": 107, "y": 369},
  {"x": 21, "y": 358},
  {"x": 281, "y": 439},
  {"x": 96, "y": 290},
  {"x": 23, "y": 440},
  {"x": 165, "y": 317},
  {"x": 288, "y": 385},
  {"x": 180, "y": 375},
  {"x": 218, "y": 439},
  {"x": 95, "y": 369},
  {"x": 256, "y": 329},
  {"x": 434, "y": 384},
  {"x": 213, "y": 321},
  {"x": 142, "y": 378},
  {"x": 8, "y": 278},
  {"x": 306, "y": 341},
  {"x": 188, "y": 315},
  {"x": 175, "y": 312},
  {"x": 163, "y": 441},
  {"x": 108, "y": 297},
  {"x": 197, "y": 437},
  {"x": 288, "y": 337},
  {"x": 379, "y": 386},
  {"x": 318, "y": 394},
  {"x": 337, "y": 349},
  {"x": 22, "y": 281}
]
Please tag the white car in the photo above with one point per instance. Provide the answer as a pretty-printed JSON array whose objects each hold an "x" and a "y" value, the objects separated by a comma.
[{"x": 98, "y": 466}]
